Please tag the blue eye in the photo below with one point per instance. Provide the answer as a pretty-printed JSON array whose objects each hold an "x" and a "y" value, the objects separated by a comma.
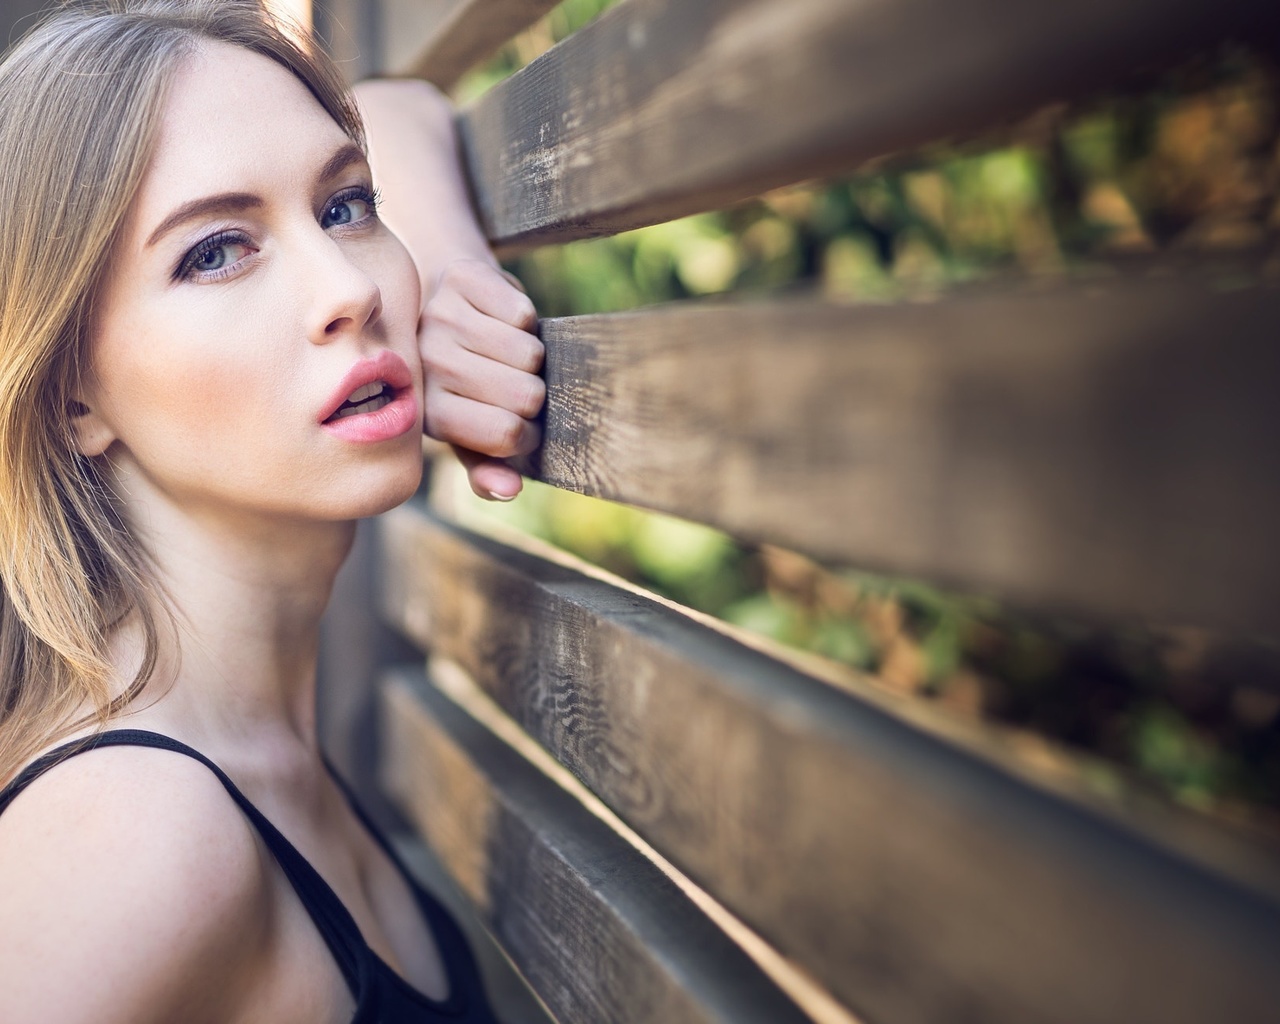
[
  {"x": 350, "y": 207},
  {"x": 211, "y": 259},
  {"x": 213, "y": 255}
]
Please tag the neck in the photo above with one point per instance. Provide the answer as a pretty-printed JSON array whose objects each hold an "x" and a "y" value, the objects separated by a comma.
[{"x": 238, "y": 668}]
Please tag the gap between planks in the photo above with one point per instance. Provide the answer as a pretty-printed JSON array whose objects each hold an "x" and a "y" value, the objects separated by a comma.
[
  {"x": 1035, "y": 761},
  {"x": 457, "y": 685}
]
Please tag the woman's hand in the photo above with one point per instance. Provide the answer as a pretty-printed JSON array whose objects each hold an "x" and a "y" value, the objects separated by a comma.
[{"x": 481, "y": 358}]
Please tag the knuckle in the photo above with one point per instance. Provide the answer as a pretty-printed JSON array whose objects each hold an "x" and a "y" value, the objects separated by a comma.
[
  {"x": 433, "y": 424},
  {"x": 435, "y": 418},
  {"x": 508, "y": 430},
  {"x": 524, "y": 314},
  {"x": 535, "y": 394},
  {"x": 531, "y": 438},
  {"x": 536, "y": 355}
]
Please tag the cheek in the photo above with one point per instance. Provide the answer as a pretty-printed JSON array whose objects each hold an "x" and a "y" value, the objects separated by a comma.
[
  {"x": 397, "y": 279},
  {"x": 212, "y": 372},
  {"x": 179, "y": 379}
]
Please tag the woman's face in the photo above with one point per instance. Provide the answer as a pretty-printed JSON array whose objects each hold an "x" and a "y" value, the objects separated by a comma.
[{"x": 252, "y": 294}]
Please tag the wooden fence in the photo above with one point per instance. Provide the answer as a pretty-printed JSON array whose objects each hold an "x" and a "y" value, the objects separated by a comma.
[{"x": 657, "y": 820}]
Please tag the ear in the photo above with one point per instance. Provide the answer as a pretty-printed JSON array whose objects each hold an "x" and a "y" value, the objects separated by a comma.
[{"x": 93, "y": 435}]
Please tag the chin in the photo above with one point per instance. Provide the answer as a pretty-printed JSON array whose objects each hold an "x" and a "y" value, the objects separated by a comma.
[
  {"x": 397, "y": 494},
  {"x": 382, "y": 491}
]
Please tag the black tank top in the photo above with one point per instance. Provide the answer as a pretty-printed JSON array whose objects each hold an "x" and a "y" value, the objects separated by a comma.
[{"x": 381, "y": 995}]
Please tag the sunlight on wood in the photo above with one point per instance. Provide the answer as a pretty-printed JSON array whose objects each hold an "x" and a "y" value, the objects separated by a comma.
[{"x": 452, "y": 680}]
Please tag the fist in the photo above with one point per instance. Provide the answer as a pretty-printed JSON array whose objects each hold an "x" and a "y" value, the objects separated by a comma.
[{"x": 482, "y": 359}]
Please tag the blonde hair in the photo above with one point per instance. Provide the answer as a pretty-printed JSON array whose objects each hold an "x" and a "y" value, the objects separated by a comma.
[{"x": 80, "y": 98}]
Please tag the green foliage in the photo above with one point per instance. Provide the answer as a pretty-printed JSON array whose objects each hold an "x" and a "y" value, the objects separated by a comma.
[
  {"x": 562, "y": 21},
  {"x": 1192, "y": 162},
  {"x": 693, "y": 564},
  {"x": 1166, "y": 747}
]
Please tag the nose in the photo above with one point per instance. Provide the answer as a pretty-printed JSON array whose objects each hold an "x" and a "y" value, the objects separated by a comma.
[{"x": 346, "y": 299}]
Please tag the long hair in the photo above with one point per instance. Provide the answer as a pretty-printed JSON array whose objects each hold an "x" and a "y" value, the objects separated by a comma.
[{"x": 80, "y": 100}]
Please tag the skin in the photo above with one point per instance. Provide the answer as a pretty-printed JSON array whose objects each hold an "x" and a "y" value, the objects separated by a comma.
[
  {"x": 482, "y": 388},
  {"x": 146, "y": 895}
]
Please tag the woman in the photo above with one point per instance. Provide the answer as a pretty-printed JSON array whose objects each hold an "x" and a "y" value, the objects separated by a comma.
[{"x": 211, "y": 367}]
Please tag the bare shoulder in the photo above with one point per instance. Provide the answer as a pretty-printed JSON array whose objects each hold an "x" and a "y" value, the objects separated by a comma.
[{"x": 134, "y": 890}]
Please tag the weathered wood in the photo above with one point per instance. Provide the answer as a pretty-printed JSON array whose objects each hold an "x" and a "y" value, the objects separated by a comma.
[
  {"x": 355, "y": 645},
  {"x": 467, "y": 31},
  {"x": 1105, "y": 449},
  {"x": 916, "y": 880},
  {"x": 600, "y": 933},
  {"x": 661, "y": 108}
]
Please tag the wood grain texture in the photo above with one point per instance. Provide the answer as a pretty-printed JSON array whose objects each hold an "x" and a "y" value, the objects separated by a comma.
[
  {"x": 600, "y": 933},
  {"x": 661, "y": 108},
  {"x": 1104, "y": 449},
  {"x": 355, "y": 646},
  {"x": 467, "y": 31},
  {"x": 916, "y": 881}
]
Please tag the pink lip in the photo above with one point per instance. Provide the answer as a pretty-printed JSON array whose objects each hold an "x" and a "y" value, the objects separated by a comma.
[{"x": 393, "y": 419}]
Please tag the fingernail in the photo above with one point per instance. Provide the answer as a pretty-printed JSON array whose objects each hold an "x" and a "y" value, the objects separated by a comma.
[{"x": 501, "y": 497}]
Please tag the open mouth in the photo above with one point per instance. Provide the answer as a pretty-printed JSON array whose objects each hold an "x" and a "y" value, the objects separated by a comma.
[
  {"x": 374, "y": 402},
  {"x": 368, "y": 398}
]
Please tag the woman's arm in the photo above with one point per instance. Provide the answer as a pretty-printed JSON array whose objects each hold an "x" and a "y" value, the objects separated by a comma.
[
  {"x": 480, "y": 353},
  {"x": 414, "y": 154}
]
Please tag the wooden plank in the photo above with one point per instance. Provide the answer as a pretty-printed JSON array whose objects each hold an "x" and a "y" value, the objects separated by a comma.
[
  {"x": 1103, "y": 449},
  {"x": 600, "y": 933},
  {"x": 913, "y": 878},
  {"x": 355, "y": 645},
  {"x": 662, "y": 108},
  {"x": 512, "y": 999},
  {"x": 467, "y": 31}
]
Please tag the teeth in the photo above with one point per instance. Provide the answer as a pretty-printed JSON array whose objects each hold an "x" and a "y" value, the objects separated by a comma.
[
  {"x": 368, "y": 391},
  {"x": 367, "y": 398},
  {"x": 373, "y": 405}
]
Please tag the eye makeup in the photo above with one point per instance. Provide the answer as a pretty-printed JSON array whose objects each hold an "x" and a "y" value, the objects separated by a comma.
[{"x": 207, "y": 259}]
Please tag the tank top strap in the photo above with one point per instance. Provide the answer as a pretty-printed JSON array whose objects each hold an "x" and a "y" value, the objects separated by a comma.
[{"x": 334, "y": 921}]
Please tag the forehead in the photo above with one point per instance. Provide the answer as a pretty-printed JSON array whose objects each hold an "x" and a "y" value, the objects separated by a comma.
[{"x": 234, "y": 120}]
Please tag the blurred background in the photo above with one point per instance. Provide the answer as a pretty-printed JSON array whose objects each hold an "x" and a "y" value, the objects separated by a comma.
[{"x": 1186, "y": 161}]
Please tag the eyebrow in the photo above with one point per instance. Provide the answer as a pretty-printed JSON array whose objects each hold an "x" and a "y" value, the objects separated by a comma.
[
  {"x": 236, "y": 202},
  {"x": 340, "y": 161},
  {"x": 224, "y": 202}
]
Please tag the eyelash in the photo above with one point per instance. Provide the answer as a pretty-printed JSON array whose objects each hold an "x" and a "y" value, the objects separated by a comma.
[
  {"x": 371, "y": 197},
  {"x": 189, "y": 269}
]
